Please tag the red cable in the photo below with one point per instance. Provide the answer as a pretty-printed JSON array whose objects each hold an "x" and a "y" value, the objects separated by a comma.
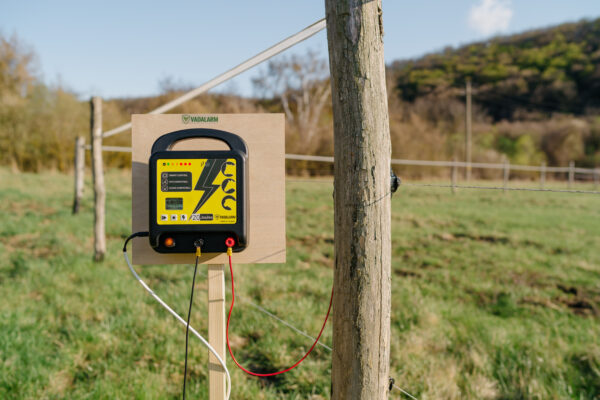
[{"x": 270, "y": 373}]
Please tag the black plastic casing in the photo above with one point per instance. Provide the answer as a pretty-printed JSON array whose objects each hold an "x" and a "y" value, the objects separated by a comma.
[{"x": 213, "y": 236}]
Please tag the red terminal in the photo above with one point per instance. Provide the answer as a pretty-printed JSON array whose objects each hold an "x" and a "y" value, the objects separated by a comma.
[
  {"x": 169, "y": 242},
  {"x": 229, "y": 242}
]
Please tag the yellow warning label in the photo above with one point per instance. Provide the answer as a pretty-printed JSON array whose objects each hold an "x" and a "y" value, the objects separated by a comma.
[{"x": 196, "y": 191}]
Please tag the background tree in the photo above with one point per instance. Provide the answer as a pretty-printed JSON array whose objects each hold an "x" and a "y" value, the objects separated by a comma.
[{"x": 301, "y": 84}]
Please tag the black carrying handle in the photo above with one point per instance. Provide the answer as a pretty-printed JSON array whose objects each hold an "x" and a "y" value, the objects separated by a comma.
[{"x": 166, "y": 141}]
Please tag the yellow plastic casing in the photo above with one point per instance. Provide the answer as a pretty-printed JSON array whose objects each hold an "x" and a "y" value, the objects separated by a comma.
[{"x": 218, "y": 196}]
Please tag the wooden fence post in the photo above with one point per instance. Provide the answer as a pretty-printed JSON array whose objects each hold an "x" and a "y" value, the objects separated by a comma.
[
  {"x": 216, "y": 330},
  {"x": 362, "y": 271},
  {"x": 571, "y": 173},
  {"x": 543, "y": 175},
  {"x": 468, "y": 129},
  {"x": 98, "y": 178},
  {"x": 79, "y": 172},
  {"x": 506, "y": 175},
  {"x": 453, "y": 176}
]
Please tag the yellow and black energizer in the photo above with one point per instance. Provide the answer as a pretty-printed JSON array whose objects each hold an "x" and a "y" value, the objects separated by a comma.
[{"x": 198, "y": 198}]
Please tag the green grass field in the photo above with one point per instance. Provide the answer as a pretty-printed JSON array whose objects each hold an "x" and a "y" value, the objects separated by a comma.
[{"x": 494, "y": 296}]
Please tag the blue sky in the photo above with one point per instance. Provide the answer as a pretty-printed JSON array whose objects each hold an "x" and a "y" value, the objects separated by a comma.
[{"x": 124, "y": 48}]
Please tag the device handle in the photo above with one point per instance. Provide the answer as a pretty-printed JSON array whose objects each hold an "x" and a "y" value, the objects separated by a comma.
[{"x": 166, "y": 141}]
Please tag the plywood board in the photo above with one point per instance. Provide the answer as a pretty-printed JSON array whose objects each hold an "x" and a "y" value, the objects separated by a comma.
[{"x": 264, "y": 135}]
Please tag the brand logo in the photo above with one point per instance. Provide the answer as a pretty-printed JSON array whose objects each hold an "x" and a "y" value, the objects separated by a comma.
[{"x": 186, "y": 118}]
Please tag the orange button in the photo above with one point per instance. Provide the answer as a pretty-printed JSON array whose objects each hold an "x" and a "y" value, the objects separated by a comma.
[{"x": 169, "y": 242}]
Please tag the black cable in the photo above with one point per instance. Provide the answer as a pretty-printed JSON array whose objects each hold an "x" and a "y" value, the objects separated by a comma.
[
  {"x": 187, "y": 327},
  {"x": 134, "y": 235}
]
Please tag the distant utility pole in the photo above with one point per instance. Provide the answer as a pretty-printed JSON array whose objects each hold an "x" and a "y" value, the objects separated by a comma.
[
  {"x": 468, "y": 133},
  {"x": 361, "y": 302}
]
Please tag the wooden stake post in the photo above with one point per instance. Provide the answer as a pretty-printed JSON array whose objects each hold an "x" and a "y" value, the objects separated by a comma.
[
  {"x": 264, "y": 135},
  {"x": 468, "y": 129},
  {"x": 505, "y": 175},
  {"x": 454, "y": 174},
  {"x": 216, "y": 330},
  {"x": 571, "y": 173},
  {"x": 361, "y": 301},
  {"x": 98, "y": 177},
  {"x": 79, "y": 172},
  {"x": 543, "y": 175}
]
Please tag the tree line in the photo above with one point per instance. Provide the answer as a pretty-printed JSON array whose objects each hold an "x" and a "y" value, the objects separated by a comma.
[{"x": 536, "y": 99}]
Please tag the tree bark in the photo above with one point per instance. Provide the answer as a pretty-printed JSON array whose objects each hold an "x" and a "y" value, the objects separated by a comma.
[
  {"x": 361, "y": 304},
  {"x": 98, "y": 177}
]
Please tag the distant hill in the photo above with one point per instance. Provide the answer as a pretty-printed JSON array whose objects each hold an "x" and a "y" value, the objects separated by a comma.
[{"x": 550, "y": 70}]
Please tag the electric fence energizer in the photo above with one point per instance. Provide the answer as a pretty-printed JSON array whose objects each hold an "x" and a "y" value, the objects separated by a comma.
[{"x": 198, "y": 198}]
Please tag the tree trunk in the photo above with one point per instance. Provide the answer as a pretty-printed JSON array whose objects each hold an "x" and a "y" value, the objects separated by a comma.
[
  {"x": 98, "y": 177},
  {"x": 361, "y": 304}
]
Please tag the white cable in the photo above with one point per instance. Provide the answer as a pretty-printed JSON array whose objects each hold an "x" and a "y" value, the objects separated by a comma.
[{"x": 173, "y": 313}]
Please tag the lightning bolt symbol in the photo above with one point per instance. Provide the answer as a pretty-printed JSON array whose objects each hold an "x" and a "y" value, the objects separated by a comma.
[{"x": 206, "y": 181}]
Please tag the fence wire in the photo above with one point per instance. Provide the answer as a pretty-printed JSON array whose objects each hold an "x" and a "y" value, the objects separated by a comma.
[
  {"x": 498, "y": 188},
  {"x": 298, "y": 331}
]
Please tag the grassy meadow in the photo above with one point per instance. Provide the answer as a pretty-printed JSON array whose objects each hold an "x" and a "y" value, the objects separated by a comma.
[{"x": 494, "y": 296}]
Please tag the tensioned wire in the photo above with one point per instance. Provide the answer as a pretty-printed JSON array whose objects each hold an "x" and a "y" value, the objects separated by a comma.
[
  {"x": 450, "y": 186},
  {"x": 244, "y": 66},
  {"x": 299, "y": 331}
]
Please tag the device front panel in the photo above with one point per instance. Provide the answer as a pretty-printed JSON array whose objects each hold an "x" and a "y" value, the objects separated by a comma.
[{"x": 196, "y": 191}]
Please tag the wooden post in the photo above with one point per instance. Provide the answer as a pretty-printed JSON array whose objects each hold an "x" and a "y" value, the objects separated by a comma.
[
  {"x": 468, "y": 132},
  {"x": 571, "y": 173},
  {"x": 98, "y": 177},
  {"x": 506, "y": 174},
  {"x": 79, "y": 172},
  {"x": 216, "y": 330},
  {"x": 454, "y": 173},
  {"x": 362, "y": 155},
  {"x": 596, "y": 178},
  {"x": 543, "y": 175}
]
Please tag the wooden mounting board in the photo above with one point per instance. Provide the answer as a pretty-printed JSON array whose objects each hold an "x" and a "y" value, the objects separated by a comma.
[{"x": 265, "y": 136}]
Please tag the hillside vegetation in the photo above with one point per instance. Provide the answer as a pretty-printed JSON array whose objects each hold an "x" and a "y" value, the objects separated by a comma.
[
  {"x": 543, "y": 71},
  {"x": 536, "y": 98}
]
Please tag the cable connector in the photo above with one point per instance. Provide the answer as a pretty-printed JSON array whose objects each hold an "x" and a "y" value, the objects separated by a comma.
[
  {"x": 199, "y": 243},
  {"x": 229, "y": 242}
]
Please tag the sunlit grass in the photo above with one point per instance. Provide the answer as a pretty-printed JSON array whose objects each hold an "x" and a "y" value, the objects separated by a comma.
[{"x": 493, "y": 296}]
